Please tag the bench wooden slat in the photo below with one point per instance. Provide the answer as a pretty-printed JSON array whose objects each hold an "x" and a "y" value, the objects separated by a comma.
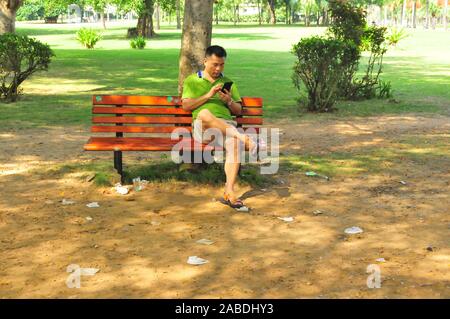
[
  {"x": 163, "y": 120},
  {"x": 142, "y": 144},
  {"x": 250, "y": 120},
  {"x": 252, "y": 101},
  {"x": 161, "y": 110},
  {"x": 158, "y": 100},
  {"x": 143, "y": 119},
  {"x": 139, "y": 110},
  {"x": 136, "y": 129},
  {"x": 136, "y": 100}
]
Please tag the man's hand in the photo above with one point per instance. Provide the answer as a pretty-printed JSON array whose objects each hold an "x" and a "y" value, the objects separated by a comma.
[
  {"x": 225, "y": 97},
  {"x": 214, "y": 90}
]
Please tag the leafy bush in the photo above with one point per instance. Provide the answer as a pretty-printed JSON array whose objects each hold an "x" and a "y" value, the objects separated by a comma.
[
  {"x": 20, "y": 57},
  {"x": 138, "y": 42},
  {"x": 395, "y": 35},
  {"x": 319, "y": 67},
  {"x": 347, "y": 24},
  {"x": 373, "y": 41},
  {"x": 30, "y": 11},
  {"x": 88, "y": 37}
]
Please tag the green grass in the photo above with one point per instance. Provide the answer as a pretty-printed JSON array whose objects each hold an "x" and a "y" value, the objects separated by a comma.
[
  {"x": 259, "y": 62},
  {"x": 417, "y": 150},
  {"x": 159, "y": 171}
]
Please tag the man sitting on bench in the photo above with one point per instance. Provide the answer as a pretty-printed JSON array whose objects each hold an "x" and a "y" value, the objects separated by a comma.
[{"x": 212, "y": 110}]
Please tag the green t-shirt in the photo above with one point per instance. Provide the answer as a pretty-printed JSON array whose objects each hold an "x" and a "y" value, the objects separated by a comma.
[{"x": 195, "y": 85}]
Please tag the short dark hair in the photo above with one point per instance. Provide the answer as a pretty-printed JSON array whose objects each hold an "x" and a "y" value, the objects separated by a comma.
[{"x": 216, "y": 50}]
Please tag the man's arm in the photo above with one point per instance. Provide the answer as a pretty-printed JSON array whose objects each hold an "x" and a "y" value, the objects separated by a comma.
[
  {"x": 235, "y": 107},
  {"x": 190, "y": 104}
]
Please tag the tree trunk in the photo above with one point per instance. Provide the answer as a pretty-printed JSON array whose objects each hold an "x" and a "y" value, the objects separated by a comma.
[
  {"x": 145, "y": 20},
  {"x": 414, "y": 15},
  {"x": 445, "y": 14},
  {"x": 177, "y": 3},
  {"x": 8, "y": 10},
  {"x": 103, "y": 20},
  {"x": 287, "y": 13},
  {"x": 158, "y": 17},
  {"x": 385, "y": 16},
  {"x": 216, "y": 9},
  {"x": 306, "y": 17},
  {"x": 273, "y": 18},
  {"x": 403, "y": 21},
  {"x": 427, "y": 19},
  {"x": 259, "y": 12},
  {"x": 196, "y": 37}
]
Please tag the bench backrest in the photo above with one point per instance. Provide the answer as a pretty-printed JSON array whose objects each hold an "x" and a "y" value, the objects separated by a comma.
[{"x": 157, "y": 114}]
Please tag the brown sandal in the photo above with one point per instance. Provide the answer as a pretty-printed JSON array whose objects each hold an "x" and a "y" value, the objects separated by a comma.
[{"x": 238, "y": 204}]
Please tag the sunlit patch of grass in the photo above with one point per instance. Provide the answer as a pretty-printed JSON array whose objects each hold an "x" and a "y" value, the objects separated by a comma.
[
  {"x": 161, "y": 171},
  {"x": 371, "y": 160}
]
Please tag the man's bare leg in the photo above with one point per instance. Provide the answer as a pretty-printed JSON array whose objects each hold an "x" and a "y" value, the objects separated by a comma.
[
  {"x": 210, "y": 121},
  {"x": 232, "y": 162}
]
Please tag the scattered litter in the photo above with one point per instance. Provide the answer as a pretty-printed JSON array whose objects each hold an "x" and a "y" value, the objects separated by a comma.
[
  {"x": 123, "y": 190},
  {"x": 93, "y": 205},
  {"x": 155, "y": 223},
  {"x": 139, "y": 184},
  {"x": 242, "y": 209},
  {"x": 89, "y": 271},
  {"x": 287, "y": 219},
  {"x": 380, "y": 260},
  {"x": 95, "y": 246},
  {"x": 194, "y": 260},
  {"x": 430, "y": 247},
  {"x": 89, "y": 218},
  {"x": 90, "y": 177},
  {"x": 311, "y": 173},
  {"x": 205, "y": 241},
  {"x": 49, "y": 202},
  {"x": 67, "y": 202},
  {"x": 263, "y": 189},
  {"x": 403, "y": 182},
  {"x": 353, "y": 230},
  {"x": 317, "y": 212}
]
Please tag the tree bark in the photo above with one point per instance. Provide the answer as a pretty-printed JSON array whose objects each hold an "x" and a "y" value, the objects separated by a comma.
[
  {"x": 145, "y": 20},
  {"x": 178, "y": 9},
  {"x": 103, "y": 20},
  {"x": 403, "y": 21},
  {"x": 158, "y": 17},
  {"x": 445, "y": 14},
  {"x": 273, "y": 18},
  {"x": 427, "y": 21},
  {"x": 8, "y": 10},
  {"x": 414, "y": 15},
  {"x": 259, "y": 12},
  {"x": 196, "y": 37}
]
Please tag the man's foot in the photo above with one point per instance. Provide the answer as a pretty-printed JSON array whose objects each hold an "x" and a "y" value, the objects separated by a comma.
[
  {"x": 253, "y": 147},
  {"x": 234, "y": 202}
]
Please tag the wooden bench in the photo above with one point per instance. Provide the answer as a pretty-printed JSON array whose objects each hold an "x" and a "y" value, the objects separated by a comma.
[{"x": 148, "y": 122}]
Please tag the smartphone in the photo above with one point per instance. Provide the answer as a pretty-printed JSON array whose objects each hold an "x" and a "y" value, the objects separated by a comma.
[{"x": 227, "y": 86}]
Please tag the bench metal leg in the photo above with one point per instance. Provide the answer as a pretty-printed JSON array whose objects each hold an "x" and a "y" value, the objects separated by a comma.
[{"x": 118, "y": 164}]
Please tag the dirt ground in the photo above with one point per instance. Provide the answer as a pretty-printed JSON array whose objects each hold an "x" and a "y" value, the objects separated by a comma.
[{"x": 141, "y": 241}]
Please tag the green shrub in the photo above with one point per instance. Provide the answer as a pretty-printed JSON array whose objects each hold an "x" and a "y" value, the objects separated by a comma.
[
  {"x": 395, "y": 35},
  {"x": 30, "y": 11},
  {"x": 319, "y": 68},
  {"x": 20, "y": 57},
  {"x": 88, "y": 37},
  {"x": 138, "y": 42}
]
